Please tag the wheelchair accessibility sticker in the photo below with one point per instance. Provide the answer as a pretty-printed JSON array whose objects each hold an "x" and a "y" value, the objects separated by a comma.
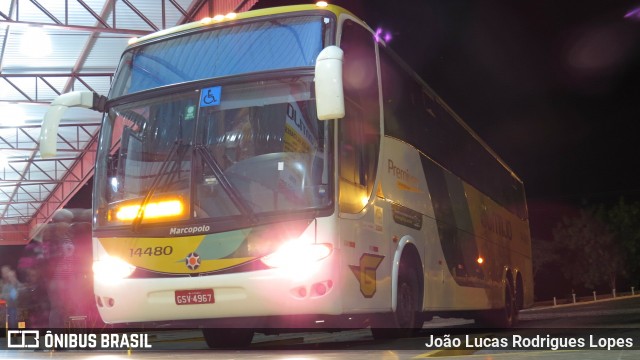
[{"x": 210, "y": 96}]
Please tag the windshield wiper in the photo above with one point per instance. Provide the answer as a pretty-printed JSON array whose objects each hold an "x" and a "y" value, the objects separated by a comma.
[
  {"x": 135, "y": 224},
  {"x": 237, "y": 199},
  {"x": 177, "y": 147}
]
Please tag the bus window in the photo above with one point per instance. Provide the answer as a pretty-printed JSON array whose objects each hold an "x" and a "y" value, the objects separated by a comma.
[{"x": 359, "y": 139}]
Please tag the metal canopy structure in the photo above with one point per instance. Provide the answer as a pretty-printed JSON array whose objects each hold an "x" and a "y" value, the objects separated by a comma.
[{"x": 50, "y": 47}]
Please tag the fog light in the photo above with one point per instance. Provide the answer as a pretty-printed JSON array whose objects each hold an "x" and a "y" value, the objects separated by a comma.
[{"x": 320, "y": 289}]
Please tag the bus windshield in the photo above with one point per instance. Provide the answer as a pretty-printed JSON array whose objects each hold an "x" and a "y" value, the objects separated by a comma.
[
  {"x": 216, "y": 152},
  {"x": 265, "y": 45}
]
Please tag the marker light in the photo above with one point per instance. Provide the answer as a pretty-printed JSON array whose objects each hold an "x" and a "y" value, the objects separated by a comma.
[
  {"x": 218, "y": 18},
  {"x": 231, "y": 15},
  {"x": 205, "y": 20},
  {"x": 132, "y": 41},
  {"x": 322, "y": 4},
  {"x": 295, "y": 253},
  {"x": 153, "y": 210},
  {"x": 364, "y": 200},
  {"x": 112, "y": 269},
  {"x": 480, "y": 260}
]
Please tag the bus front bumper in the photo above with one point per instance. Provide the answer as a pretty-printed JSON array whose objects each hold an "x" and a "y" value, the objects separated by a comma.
[{"x": 256, "y": 294}]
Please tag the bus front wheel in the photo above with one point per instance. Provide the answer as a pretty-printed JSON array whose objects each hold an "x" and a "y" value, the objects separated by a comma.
[{"x": 406, "y": 320}]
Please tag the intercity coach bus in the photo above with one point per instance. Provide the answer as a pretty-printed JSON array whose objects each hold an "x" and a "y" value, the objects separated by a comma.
[{"x": 283, "y": 168}]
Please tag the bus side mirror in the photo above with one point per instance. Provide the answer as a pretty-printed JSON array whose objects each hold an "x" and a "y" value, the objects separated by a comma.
[
  {"x": 49, "y": 129},
  {"x": 328, "y": 81}
]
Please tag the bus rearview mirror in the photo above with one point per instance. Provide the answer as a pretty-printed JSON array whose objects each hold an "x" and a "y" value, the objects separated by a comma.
[
  {"x": 51, "y": 121},
  {"x": 328, "y": 83}
]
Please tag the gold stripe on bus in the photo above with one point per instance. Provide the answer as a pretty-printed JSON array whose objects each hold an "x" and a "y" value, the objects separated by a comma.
[{"x": 402, "y": 186}]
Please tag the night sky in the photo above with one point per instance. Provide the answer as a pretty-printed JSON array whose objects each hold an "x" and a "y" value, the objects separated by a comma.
[{"x": 552, "y": 86}]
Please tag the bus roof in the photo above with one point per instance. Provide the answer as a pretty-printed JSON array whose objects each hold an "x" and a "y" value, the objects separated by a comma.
[{"x": 219, "y": 19}]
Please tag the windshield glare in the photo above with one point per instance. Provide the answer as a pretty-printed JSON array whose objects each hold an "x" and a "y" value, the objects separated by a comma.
[{"x": 257, "y": 149}]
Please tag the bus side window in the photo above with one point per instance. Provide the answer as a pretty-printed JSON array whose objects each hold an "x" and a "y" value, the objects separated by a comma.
[{"x": 359, "y": 130}]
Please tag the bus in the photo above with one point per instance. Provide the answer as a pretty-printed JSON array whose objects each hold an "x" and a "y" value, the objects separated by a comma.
[{"x": 283, "y": 169}]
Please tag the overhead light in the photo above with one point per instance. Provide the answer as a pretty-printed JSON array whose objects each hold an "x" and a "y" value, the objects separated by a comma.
[
  {"x": 35, "y": 43},
  {"x": 4, "y": 161},
  {"x": 12, "y": 115}
]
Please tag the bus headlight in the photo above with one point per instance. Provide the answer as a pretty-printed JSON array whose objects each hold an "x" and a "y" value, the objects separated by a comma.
[
  {"x": 112, "y": 269},
  {"x": 297, "y": 254}
]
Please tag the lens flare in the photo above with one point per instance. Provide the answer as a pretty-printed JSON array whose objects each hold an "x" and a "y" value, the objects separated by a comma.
[
  {"x": 633, "y": 14},
  {"x": 383, "y": 35}
]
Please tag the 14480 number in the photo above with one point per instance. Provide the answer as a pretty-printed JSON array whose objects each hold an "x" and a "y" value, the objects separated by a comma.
[{"x": 151, "y": 251}]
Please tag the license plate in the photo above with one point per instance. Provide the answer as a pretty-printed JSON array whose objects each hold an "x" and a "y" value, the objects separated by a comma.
[{"x": 190, "y": 297}]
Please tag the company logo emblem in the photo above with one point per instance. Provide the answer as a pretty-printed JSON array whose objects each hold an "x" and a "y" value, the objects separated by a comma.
[
  {"x": 192, "y": 261},
  {"x": 365, "y": 273},
  {"x": 189, "y": 230}
]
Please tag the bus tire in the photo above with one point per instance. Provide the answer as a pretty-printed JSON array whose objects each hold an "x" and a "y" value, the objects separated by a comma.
[
  {"x": 505, "y": 317},
  {"x": 508, "y": 316},
  {"x": 519, "y": 291},
  {"x": 406, "y": 320},
  {"x": 220, "y": 338}
]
